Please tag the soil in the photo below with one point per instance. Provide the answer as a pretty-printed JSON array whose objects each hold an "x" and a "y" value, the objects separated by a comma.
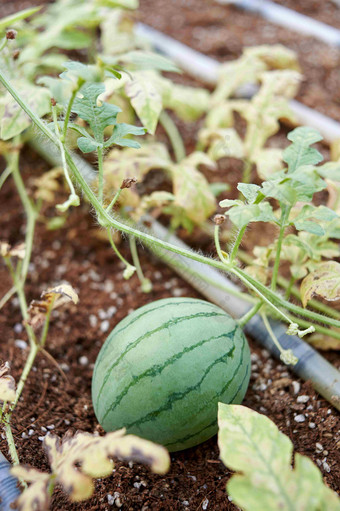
[{"x": 57, "y": 402}]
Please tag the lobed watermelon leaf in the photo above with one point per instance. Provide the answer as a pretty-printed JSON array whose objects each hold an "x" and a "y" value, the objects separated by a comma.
[{"x": 252, "y": 445}]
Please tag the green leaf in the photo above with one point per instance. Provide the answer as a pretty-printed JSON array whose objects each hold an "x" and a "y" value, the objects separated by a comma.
[
  {"x": 87, "y": 145},
  {"x": 120, "y": 131},
  {"x": 299, "y": 153},
  {"x": 9, "y": 21},
  {"x": 79, "y": 73},
  {"x": 145, "y": 98},
  {"x": 218, "y": 188},
  {"x": 13, "y": 119},
  {"x": 303, "y": 221},
  {"x": 324, "y": 282},
  {"x": 330, "y": 170},
  {"x": 249, "y": 191},
  {"x": 88, "y": 108},
  {"x": 251, "y": 445},
  {"x": 247, "y": 213}
]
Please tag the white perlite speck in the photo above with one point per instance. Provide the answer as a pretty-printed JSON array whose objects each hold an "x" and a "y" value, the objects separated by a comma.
[
  {"x": 300, "y": 418},
  {"x": 110, "y": 499},
  {"x": 19, "y": 343},
  {"x": 326, "y": 467},
  {"x": 302, "y": 399},
  {"x": 105, "y": 325},
  {"x": 296, "y": 387},
  {"x": 312, "y": 425},
  {"x": 205, "y": 504},
  {"x": 83, "y": 361}
]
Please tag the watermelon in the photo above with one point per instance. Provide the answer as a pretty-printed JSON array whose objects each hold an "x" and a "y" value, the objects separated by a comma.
[{"x": 164, "y": 368}]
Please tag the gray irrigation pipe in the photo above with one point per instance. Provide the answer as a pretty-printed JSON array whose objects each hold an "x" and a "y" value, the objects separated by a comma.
[
  {"x": 206, "y": 69},
  {"x": 9, "y": 490},
  {"x": 290, "y": 19},
  {"x": 311, "y": 366}
]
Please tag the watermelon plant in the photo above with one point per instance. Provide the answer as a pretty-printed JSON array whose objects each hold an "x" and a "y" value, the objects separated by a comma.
[{"x": 92, "y": 107}]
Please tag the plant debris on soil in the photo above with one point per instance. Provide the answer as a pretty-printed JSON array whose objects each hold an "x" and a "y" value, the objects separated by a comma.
[{"x": 57, "y": 396}]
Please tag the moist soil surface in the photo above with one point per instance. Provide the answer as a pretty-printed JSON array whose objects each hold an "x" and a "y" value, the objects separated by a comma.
[{"x": 57, "y": 396}]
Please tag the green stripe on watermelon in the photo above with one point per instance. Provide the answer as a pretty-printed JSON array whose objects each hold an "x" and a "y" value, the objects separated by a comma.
[{"x": 165, "y": 368}]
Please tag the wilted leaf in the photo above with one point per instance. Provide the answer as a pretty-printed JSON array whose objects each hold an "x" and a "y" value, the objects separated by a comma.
[
  {"x": 253, "y": 446},
  {"x": 51, "y": 299},
  {"x": 324, "y": 282},
  {"x": 305, "y": 219},
  {"x": 191, "y": 189},
  {"x": 17, "y": 251},
  {"x": 13, "y": 119},
  {"x": 222, "y": 143},
  {"x": 323, "y": 342},
  {"x": 268, "y": 161},
  {"x": 142, "y": 60},
  {"x": 188, "y": 103},
  {"x": 145, "y": 98},
  {"x": 120, "y": 165},
  {"x": 275, "y": 56},
  {"x": 7, "y": 384},
  {"x": 36, "y": 497},
  {"x": 76, "y": 460},
  {"x": 156, "y": 199},
  {"x": 48, "y": 184}
]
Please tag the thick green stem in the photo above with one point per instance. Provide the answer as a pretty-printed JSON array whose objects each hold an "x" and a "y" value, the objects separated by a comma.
[
  {"x": 174, "y": 136},
  {"x": 67, "y": 115},
  {"x": 24, "y": 375},
  {"x": 100, "y": 175},
  {"x": 237, "y": 243},
  {"x": 284, "y": 216},
  {"x": 114, "y": 200},
  {"x": 10, "y": 442},
  {"x": 217, "y": 244},
  {"x": 6, "y": 173},
  {"x": 248, "y": 315},
  {"x": 289, "y": 287},
  {"x": 7, "y": 297},
  {"x": 106, "y": 220}
]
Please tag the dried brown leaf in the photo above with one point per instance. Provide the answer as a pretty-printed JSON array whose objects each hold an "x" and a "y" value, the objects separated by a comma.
[
  {"x": 7, "y": 384},
  {"x": 52, "y": 298},
  {"x": 76, "y": 460},
  {"x": 17, "y": 251},
  {"x": 48, "y": 184},
  {"x": 324, "y": 282}
]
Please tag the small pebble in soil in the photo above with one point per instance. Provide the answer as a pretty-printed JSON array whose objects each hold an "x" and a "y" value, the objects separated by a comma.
[
  {"x": 300, "y": 418},
  {"x": 302, "y": 399},
  {"x": 326, "y": 467},
  {"x": 105, "y": 325},
  {"x": 18, "y": 328},
  {"x": 83, "y": 361},
  {"x": 318, "y": 447},
  {"x": 185, "y": 503},
  {"x": 93, "y": 320},
  {"x": 19, "y": 343},
  {"x": 312, "y": 425},
  {"x": 296, "y": 387}
]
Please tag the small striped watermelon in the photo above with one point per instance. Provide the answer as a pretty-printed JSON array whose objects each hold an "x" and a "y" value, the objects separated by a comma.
[{"x": 164, "y": 368}]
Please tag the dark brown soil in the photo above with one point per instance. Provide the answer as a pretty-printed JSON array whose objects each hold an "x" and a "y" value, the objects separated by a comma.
[{"x": 51, "y": 403}]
